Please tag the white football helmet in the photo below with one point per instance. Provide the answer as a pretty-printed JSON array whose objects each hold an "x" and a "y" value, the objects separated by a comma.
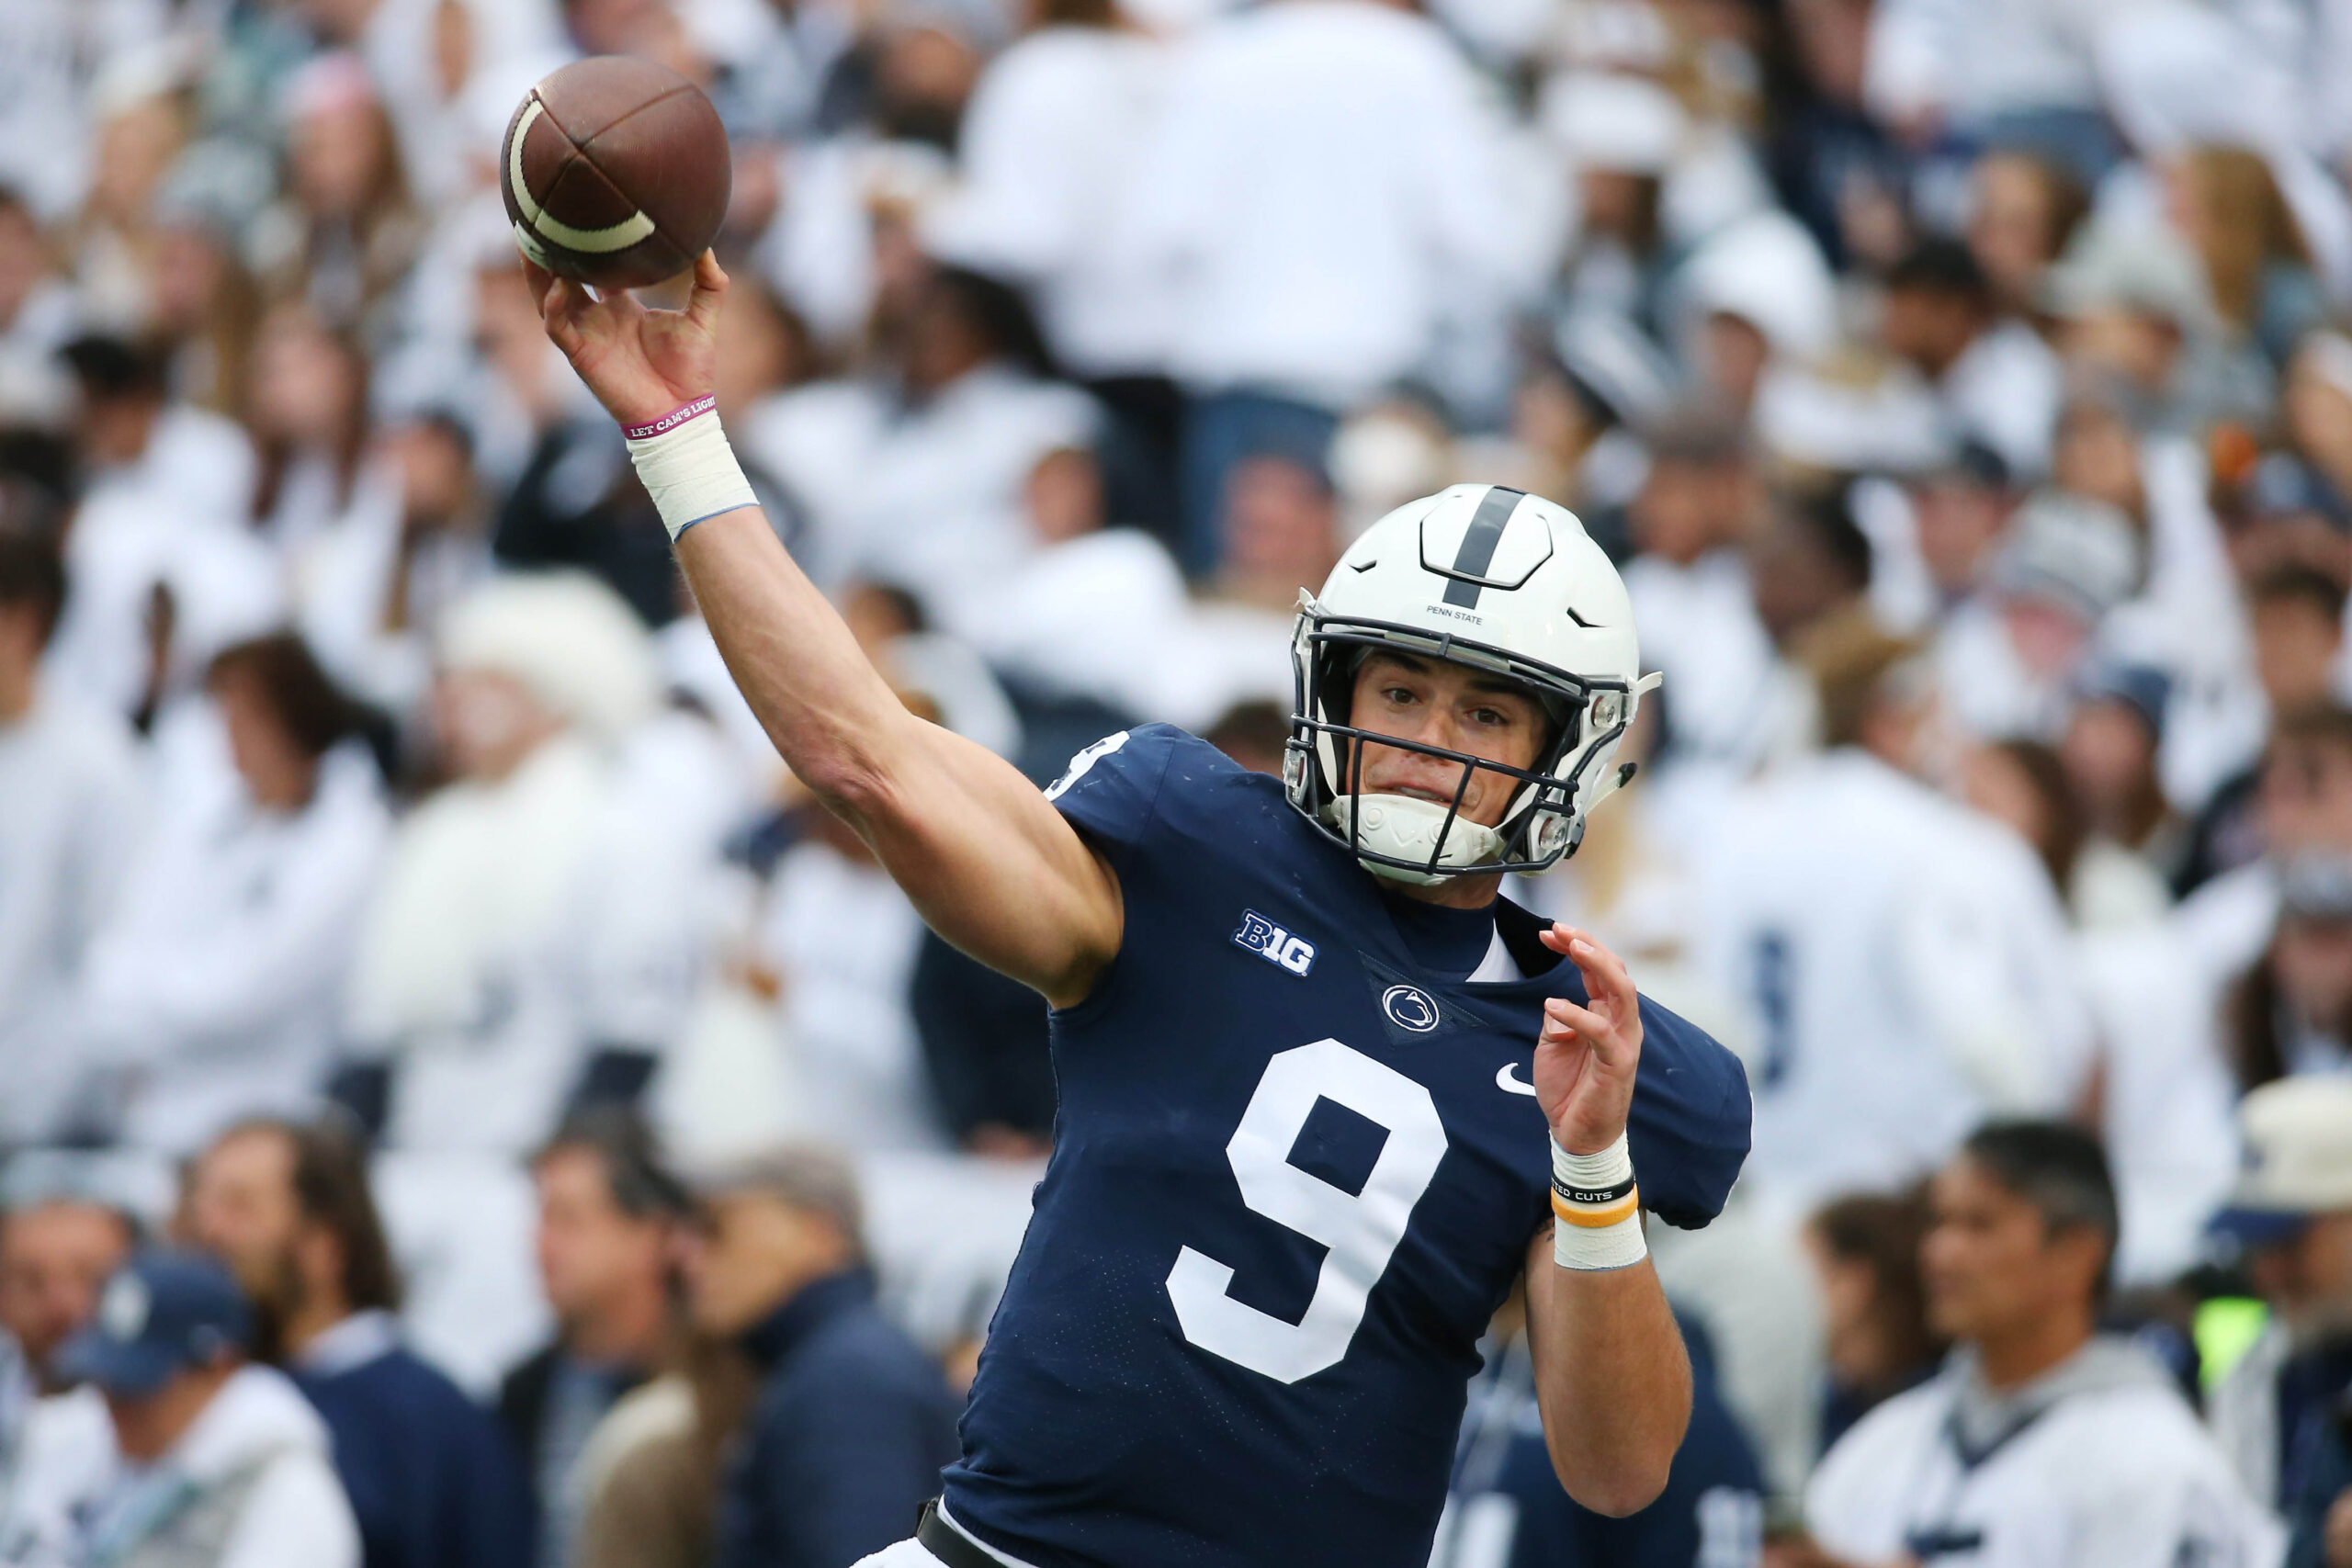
[{"x": 1499, "y": 581}]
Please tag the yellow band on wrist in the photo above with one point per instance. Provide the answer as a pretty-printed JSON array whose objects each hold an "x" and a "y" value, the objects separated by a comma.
[{"x": 1577, "y": 1214}]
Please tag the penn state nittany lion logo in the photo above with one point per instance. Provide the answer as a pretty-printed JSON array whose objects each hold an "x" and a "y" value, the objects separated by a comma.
[{"x": 1409, "y": 1007}]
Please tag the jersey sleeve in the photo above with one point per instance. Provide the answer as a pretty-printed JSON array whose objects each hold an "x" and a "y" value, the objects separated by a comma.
[
  {"x": 1688, "y": 1126},
  {"x": 1111, "y": 790}
]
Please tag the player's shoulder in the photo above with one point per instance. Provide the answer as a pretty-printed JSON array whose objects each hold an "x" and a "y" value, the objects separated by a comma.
[
  {"x": 1138, "y": 757},
  {"x": 1119, "y": 785}
]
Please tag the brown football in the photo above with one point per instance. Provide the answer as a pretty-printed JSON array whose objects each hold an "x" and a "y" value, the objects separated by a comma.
[{"x": 615, "y": 172}]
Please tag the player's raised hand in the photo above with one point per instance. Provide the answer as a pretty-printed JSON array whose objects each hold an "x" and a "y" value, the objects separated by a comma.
[
  {"x": 1586, "y": 1056},
  {"x": 639, "y": 363}
]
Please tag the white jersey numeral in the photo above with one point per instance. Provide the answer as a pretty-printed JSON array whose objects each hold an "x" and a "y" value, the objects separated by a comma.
[
  {"x": 1361, "y": 1229},
  {"x": 1084, "y": 760}
]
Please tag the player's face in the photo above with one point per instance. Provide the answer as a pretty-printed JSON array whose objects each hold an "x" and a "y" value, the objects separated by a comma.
[{"x": 1443, "y": 704}]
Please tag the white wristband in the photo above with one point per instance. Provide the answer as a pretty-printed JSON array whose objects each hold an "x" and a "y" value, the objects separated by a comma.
[
  {"x": 687, "y": 466},
  {"x": 1596, "y": 1209}
]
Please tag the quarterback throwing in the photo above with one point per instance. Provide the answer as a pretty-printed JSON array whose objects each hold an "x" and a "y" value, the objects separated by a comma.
[{"x": 1325, "y": 1097}]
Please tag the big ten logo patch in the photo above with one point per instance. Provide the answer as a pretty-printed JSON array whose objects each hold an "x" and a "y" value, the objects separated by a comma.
[{"x": 1274, "y": 944}]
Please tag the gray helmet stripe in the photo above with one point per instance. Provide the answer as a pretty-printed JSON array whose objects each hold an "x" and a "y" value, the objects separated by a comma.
[{"x": 1478, "y": 541}]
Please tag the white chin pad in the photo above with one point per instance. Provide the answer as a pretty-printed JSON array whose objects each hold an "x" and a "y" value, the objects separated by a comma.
[{"x": 1407, "y": 828}]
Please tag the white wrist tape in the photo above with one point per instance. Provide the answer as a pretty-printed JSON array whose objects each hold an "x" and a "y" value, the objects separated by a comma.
[
  {"x": 1596, "y": 1209},
  {"x": 686, "y": 465}
]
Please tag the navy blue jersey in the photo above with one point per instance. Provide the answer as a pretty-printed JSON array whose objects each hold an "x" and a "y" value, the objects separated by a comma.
[
  {"x": 1508, "y": 1510},
  {"x": 1295, "y": 1172}
]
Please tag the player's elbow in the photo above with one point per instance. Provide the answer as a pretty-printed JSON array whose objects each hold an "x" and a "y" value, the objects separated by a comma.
[
  {"x": 1616, "y": 1469},
  {"x": 1619, "y": 1486}
]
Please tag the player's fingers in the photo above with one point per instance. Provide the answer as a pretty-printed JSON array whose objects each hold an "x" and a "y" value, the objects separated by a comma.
[
  {"x": 710, "y": 289},
  {"x": 561, "y": 308},
  {"x": 1574, "y": 1025},
  {"x": 1605, "y": 977},
  {"x": 1618, "y": 1052},
  {"x": 538, "y": 277},
  {"x": 1557, "y": 937},
  {"x": 1594, "y": 1029}
]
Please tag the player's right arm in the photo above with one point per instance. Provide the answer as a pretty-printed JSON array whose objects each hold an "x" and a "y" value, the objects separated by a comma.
[{"x": 988, "y": 862}]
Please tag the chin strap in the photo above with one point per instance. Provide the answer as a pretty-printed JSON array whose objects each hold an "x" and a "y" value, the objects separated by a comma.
[{"x": 1407, "y": 828}]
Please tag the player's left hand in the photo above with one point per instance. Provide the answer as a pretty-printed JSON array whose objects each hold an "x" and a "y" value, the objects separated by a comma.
[{"x": 1586, "y": 1056}]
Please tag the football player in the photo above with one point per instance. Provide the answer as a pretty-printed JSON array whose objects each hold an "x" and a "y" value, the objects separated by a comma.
[{"x": 1323, "y": 1096}]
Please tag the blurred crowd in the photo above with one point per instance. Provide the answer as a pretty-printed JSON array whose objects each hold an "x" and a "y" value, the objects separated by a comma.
[{"x": 390, "y": 874}]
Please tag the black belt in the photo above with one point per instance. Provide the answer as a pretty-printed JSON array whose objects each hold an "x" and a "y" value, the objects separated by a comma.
[{"x": 947, "y": 1543}]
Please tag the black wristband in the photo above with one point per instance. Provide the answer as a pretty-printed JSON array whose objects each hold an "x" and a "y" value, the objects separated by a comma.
[{"x": 1612, "y": 1194}]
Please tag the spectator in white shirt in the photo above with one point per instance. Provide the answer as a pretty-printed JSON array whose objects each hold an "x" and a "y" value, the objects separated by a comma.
[
  {"x": 1049, "y": 151},
  {"x": 1903, "y": 958},
  {"x": 2044, "y": 1444},
  {"x": 845, "y": 941},
  {"x": 2009, "y": 658},
  {"x": 308, "y": 415},
  {"x": 1323, "y": 192},
  {"x": 934, "y": 505},
  {"x": 1620, "y": 136},
  {"x": 69, "y": 779},
  {"x": 164, "y": 572},
  {"x": 1690, "y": 588},
  {"x": 1994, "y": 380},
  {"x": 1757, "y": 307},
  {"x": 133, "y": 434},
  {"x": 215, "y": 990},
  {"x": 1092, "y": 612},
  {"x": 533, "y": 935},
  {"x": 374, "y": 587},
  {"x": 347, "y": 229},
  {"x": 56, "y": 1446},
  {"x": 49, "y": 50},
  {"x": 1986, "y": 70},
  {"x": 1961, "y": 510},
  {"x": 223, "y": 1464}
]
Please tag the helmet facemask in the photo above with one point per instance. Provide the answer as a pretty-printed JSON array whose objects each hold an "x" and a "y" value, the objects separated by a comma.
[{"x": 1323, "y": 764}]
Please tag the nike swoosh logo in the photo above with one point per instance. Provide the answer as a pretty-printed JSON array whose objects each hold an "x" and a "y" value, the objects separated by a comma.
[{"x": 1510, "y": 1085}]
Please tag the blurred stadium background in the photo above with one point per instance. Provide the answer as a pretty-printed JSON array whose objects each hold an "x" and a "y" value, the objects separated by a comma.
[{"x": 1959, "y": 384}]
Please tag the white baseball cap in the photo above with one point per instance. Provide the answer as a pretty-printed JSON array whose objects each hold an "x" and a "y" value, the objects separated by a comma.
[{"x": 2298, "y": 1135}]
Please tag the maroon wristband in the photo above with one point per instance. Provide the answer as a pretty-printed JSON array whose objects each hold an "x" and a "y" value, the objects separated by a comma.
[{"x": 675, "y": 418}]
